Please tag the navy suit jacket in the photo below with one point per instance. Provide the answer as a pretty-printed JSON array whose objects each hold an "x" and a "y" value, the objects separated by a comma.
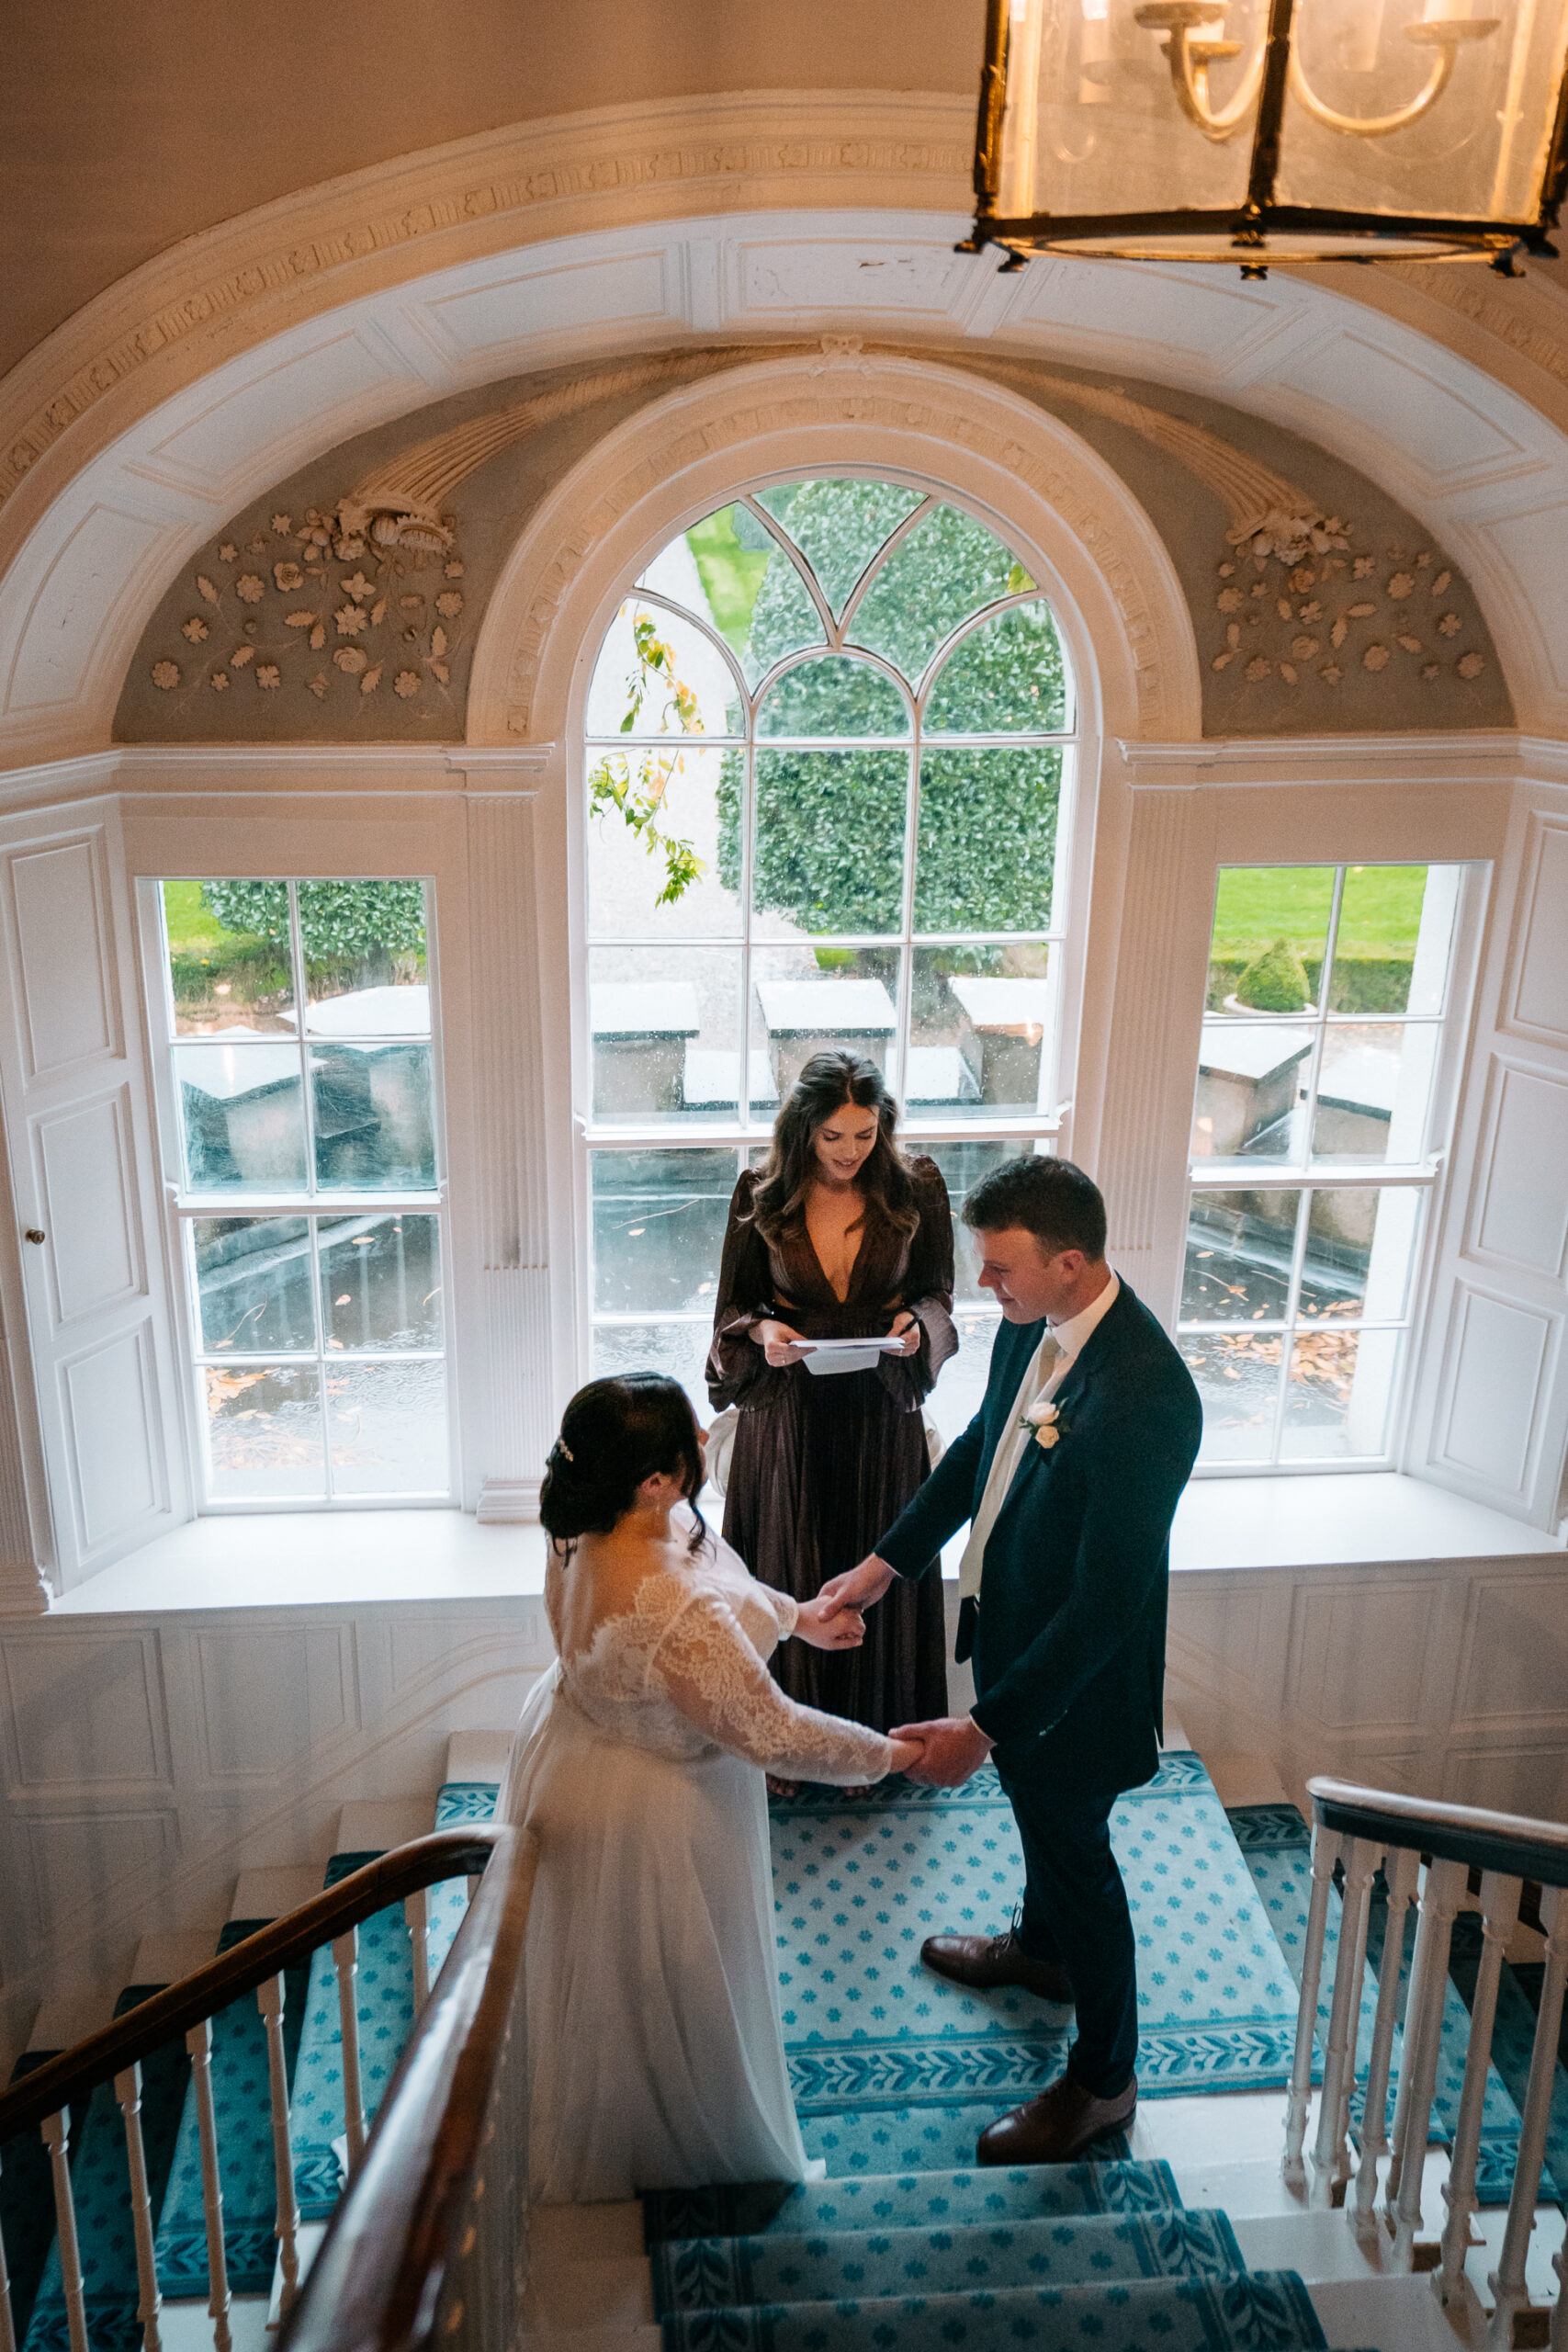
[{"x": 1070, "y": 1638}]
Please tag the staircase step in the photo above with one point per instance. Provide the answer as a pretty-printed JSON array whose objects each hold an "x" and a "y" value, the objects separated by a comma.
[
  {"x": 908, "y": 2200},
  {"x": 692, "y": 2274},
  {"x": 273, "y": 1893},
  {"x": 375, "y": 1825},
  {"x": 163, "y": 1960},
  {"x": 242, "y": 2112},
  {"x": 1231, "y": 2315},
  {"x": 478, "y": 1754},
  {"x": 1396, "y": 2314},
  {"x": 66, "y": 2018}
]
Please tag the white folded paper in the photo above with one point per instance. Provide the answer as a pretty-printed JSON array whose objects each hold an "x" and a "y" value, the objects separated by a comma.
[{"x": 848, "y": 1355}]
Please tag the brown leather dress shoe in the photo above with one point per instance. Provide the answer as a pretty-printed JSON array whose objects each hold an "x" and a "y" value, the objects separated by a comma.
[
  {"x": 1056, "y": 2128},
  {"x": 986, "y": 1961}
]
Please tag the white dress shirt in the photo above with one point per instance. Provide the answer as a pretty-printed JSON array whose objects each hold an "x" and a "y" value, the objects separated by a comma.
[{"x": 1047, "y": 1370}]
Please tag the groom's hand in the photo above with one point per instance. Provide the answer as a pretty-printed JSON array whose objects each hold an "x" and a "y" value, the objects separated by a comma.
[
  {"x": 952, "y": 1747},
  {"x": 857, "y": 1588}
]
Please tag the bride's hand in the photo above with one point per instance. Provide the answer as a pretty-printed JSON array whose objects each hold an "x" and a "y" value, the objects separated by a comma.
[
  {"x": 906, "y": 1752},
  {"x": 779, "y": 1343},
  {"x": 842, "y": 1629}
]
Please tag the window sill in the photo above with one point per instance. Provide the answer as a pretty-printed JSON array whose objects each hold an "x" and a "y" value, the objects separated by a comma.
[
  {"x": 1350, "y": 1519},
  {"x": 317, "y": 1559}
]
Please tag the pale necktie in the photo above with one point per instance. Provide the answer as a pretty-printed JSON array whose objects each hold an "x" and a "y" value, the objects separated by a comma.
[{"x": 1047, "y": 1360}]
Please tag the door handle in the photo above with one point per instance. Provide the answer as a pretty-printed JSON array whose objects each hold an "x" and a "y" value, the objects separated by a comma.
[{"x": 34, "y": 1233}]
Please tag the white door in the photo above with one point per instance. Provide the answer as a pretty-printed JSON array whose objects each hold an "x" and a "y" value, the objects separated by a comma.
[{"x": 84, "y": 1185}]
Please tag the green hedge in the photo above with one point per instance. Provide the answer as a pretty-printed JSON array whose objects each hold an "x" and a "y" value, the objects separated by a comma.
[{"x": 1367, "y": 983}]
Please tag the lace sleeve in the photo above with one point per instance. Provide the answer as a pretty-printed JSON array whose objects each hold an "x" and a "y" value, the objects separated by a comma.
[
  {"x": 715, "y": 1676},
  {"x": 784, "y": 1606}
]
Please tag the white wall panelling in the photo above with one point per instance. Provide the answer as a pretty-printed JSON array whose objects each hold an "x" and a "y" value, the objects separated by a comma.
[
  {"x": 79, "y": 1139},
  {"x": 148, "y": 1758}
]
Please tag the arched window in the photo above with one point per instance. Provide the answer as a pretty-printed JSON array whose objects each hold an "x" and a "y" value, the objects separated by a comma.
[{"x": 830, "y": 768}]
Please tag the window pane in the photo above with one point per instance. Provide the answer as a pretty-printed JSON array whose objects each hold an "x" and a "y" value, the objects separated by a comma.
[
  {"x": 987, "y": 840},
  {"x": 381, "y": 1280},
  {"x": 963, "y": 1165},
  {"x": 765, "y": 612},
  {"x": 375, "y": 1127},
  {"x": 1360, "y": 1247},
  {"x": 839, "y": 525},
  {"x": 659, "y": 1220},
  {"x": 830, "y": 837},
  {"x": 1239, "y": 1250},
  {"x": 1238, "y": 1379},
  {"x": 839, "y": 999},
  {"x": 365, "y": 958},
  {"x": 980, "y": 1021},
  {"x": 229, "y": 957},
  {"x": 252, "y": 1283},
  {"x": 665, "y": 1029},
  {"x": 242, "y": 1117},
  {"x": 263, "y": 1433},
  {"x": 1271, "y": 937},
  {"x": 960, "y": 1384},
  {"x": 1336, "y": 1401},
  {"x": 1006, "y": 676},
  {"x": 1250, "y": 1077},
  {"x": 1391, "y": 950},
  {"x": 661, "y": 674},
  {"x": 1373, "y": 1091},
  {"x": 948, "y": 567},
  {"x": 833, "y": 696},
  {"x": 677, "y": 1350},
  {"x": 700, "y": 802},
  {"x": 387, "y": 1429}
]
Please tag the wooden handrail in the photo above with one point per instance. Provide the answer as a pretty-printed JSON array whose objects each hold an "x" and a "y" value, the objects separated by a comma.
[
  {"x": 376, "y": 2284},
  {"x": 424, "y": 1862},
  {"x": 1509, "y": 1842}
]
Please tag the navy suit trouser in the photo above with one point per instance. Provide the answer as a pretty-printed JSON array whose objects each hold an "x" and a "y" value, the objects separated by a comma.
[{"x": 1074, "y": 1916}]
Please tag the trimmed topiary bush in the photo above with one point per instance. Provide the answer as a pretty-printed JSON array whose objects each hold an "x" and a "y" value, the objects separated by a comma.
[{"x": 1275, "y": 982}]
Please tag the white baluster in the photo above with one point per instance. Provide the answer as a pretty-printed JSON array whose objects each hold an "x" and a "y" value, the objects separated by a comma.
[
  {"x": 150, "y": 2303},
  {"x": 198, "y": 2041},
  {"x": 1325, "y": 1854},
  {"x": 1331, "y": 2159},
  {"x": 345, "y": 1958},
  {"x": 1507, "y": 2281},
  {"x": 286, "y": 2228},
  {"x": 55, "y": 2130},
  {"x": 1440, "y": 1898},
  {"x": 1499, "y": 1909},
  {"x": 416, "y": 1911},
  {"x": 7, "y": 2324},
  {"x": 1403, "y": 1869}
]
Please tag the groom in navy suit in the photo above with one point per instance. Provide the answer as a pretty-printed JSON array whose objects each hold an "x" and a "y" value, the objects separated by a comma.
[{"x": 1068, "y": 1475}]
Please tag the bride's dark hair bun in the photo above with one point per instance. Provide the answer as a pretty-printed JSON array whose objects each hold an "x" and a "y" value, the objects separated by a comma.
[{"x": 613, "y": 1434}]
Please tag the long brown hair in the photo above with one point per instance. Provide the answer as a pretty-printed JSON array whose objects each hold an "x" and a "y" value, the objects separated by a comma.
[{"x": 827, "y": 1084}]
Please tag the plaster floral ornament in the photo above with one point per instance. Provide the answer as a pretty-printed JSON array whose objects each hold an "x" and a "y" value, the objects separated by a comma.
[
  {"x": 1471, "y": 665},
  {"x": 1362, "y": 612},
  {"x": 1289, "y": 536},
  {"x": 248, "y": 588},
  {"x": 319, "y": 683},
  {"x": 450, "y": 604},
  {"x": 371, "y": 679},
  {"x": 351, "y": 659},
  {"x": 228, "y": 552},
  {"x": 358, "y": 587},
  {"x": 1288, "y": 673},
  {"x": 1411, "y": 644},
  {"x": 288, "y": 577},
  {"x": 283, "y": 524},
  {"x": 1441, "y": 584},
  {"x": 194, "y": 628},
  {"x": 1228, "y": 601},
  {"x": 406, "y": 683},
  {"x": 218, "y": 682},
  {"x": 1259, "y": 667},
  {"x": 241, "y": 655},
  {"x": 299, "y": 620},
  {"x": 1400, "y": 586},
  {"x": 1430, "y": 669},
  {"x": 267, "y": 676},
  {"x": 165, "y": 674},
  {"x": 1450, "y": 624},
  {"x": 349, "y": 620},
  {"x": 1303, "y": 648},
  {"x": 1363, "y": 567},
  {"x": 206, "y": 589},
  {"x": 1331, "y": 673},
  {"x": 1043, "y": 1421},
  {"x": 454, "y": 571},
  {"x": 318, "y": 637},
  {"x": 1376, "y": 657}
]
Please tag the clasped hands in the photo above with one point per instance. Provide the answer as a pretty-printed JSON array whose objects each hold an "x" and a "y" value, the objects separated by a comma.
[{"x": 947, "y": 1749}]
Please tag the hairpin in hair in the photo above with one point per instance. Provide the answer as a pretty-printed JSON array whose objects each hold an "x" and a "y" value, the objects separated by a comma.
[{"x": 566, "y": 1448}]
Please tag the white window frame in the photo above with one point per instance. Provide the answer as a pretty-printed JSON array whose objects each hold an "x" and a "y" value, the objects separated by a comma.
[
  {"x": 183, "y": 1209},
  {"x": 745, "y": 1135},
  {"x": 1427, "y": 1172}
]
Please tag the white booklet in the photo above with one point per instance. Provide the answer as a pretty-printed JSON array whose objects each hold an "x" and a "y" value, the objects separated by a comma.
[{"x": 848, "y": 1355}]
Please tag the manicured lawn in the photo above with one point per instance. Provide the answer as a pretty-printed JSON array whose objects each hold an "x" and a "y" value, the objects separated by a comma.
[
  {"x": 731, "y": 574},
  {"x": 1381, "y": 916},
  {"x": 195, "y": 934}
]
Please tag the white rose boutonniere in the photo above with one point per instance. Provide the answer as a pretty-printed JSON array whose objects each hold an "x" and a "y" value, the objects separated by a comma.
[{"x": 1043, "y": 1421}]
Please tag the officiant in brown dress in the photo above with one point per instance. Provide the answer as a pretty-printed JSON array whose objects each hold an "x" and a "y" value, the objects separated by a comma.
[{"x": 838, "y": 1237}]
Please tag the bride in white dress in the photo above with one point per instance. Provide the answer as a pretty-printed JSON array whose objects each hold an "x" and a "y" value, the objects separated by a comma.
[{"x": 655, "y": 2043}]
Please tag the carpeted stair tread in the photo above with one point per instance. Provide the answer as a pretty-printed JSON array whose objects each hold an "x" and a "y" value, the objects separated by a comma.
[
  {"x": 892, "y": 2067},
  {"x": 241, "y": 2107},
  {"x": 909, "y": 2200},
  {"x": 823, "y": 2266},
  {"x": 1513, "y": 2044},
  {"x": 100, "y": 2189},
  {"x": 1245, "y": 2313},
  {"x": 460, "y": 1802},
  {"x": 384, "y": 2002}
]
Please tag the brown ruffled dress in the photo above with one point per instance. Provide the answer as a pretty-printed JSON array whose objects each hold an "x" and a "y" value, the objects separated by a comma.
[{"x": 821, "y": 1467}]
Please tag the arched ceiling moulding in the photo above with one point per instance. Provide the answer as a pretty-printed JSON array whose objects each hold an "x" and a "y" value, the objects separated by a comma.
[
  {"x": 1121, "y": 603},
  {"x": 138, "y": 429}
]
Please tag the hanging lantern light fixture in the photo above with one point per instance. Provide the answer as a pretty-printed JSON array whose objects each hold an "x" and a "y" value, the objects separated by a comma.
[{"x": 1273, "y": 132}]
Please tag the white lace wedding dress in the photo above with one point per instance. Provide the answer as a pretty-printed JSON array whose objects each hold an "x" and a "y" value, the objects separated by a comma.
[{"x": 655, "y": 2041}]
